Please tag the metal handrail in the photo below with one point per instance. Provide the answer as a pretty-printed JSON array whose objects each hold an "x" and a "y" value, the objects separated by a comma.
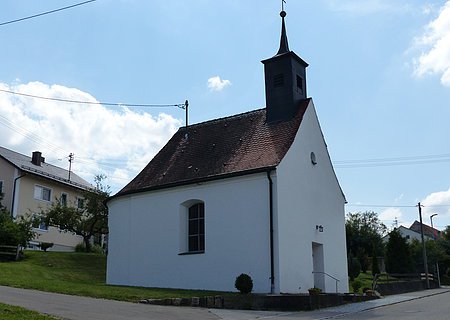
[{"x": 329, "y": 275}]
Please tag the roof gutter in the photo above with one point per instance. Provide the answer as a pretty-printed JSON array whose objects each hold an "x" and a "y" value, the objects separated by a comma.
[
  {"x": 192, "y": 181},
  {"x": 14, "y": 193},
  {"x": 272, "y": 262}
]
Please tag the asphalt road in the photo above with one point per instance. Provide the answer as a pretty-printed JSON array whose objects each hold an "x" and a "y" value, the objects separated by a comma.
[
  {"x": 431, "y": 305},
  {"x": 83, "y": 308},
  {"x": 435, "y": 307}
]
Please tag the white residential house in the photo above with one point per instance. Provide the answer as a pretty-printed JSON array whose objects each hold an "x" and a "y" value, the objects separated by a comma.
[
  {"x": 252, "y": 193},
  {"x": 409, "y": 235},
  {"x": 29, "y": 185}
]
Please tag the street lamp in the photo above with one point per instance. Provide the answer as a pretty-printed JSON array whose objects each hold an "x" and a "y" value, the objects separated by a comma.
[{"x": 431, "y": 218}]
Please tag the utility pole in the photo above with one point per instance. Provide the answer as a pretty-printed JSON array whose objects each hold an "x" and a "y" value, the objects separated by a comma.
[
  {"x": 71, "y": 155},
  {"x": 435, "y": 238},
  {"x": 424, "y": 249}
]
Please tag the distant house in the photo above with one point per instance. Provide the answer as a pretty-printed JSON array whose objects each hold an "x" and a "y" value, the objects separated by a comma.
[
  {"x": 252, "y": 193},
  {"x": 29, "y": 185},
  {"x": 427, "y": 230},
  {"x": 408, "y": 234}
]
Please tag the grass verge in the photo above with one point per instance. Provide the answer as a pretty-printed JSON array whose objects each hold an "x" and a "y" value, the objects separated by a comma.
[
  {"x": 79, "y": 274},
  {"x": 8, "y": 312}
]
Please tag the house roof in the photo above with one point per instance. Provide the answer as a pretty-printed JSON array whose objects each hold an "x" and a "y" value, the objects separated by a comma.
[
  {"x": 427, "y": 230},
  {"x": 235, "y": 145},
  {"x": 45, "y": 170}
]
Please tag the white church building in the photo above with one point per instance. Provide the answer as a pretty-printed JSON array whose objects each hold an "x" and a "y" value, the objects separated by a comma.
[{"x": 252, "y": 193}]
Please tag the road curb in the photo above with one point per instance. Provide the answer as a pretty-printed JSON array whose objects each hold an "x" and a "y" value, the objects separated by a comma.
[{"x": 446, "y": 290}]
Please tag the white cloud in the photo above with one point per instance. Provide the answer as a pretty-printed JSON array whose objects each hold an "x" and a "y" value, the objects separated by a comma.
[
  {"x": 435, "y": 47},
  {"x": 437, "y": 202},
  {"x": 116, "y": 141},
  {"x": 368, "y": 6},
  {"x": 390, "y": 215},
  {"x": 217, "y": 84}
]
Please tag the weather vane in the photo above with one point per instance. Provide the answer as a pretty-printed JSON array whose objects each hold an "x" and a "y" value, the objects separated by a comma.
[{"x": 282, "y": 4}]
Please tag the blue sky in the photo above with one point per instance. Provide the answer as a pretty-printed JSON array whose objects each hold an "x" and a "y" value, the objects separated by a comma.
[{"x": 379, "y": 76}]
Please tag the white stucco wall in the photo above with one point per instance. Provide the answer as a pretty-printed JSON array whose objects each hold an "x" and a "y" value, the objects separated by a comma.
[
  {"x": 309, "y": 195},
  {"x": 144, "y": 241}
]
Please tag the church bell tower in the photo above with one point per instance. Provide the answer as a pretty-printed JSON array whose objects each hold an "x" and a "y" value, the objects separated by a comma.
[{"x": 285, "y": 80}]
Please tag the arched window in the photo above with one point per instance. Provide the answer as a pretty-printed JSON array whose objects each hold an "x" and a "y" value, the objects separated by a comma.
[{"x": 196, "y": 228}]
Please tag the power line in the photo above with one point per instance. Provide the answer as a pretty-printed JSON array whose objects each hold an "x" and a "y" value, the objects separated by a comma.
[
  {"x": 47, "y": 12},
  {"x": 29, "y": 135},
  {"x": 378, "y": 205},
  {"x": 394, "y": 206},
  {"x": 115, "y": 104},
  {"x": 383, "y": 162}
]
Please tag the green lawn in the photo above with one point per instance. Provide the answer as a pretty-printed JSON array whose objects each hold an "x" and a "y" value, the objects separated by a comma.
[
  {"x": 77, "y": 274},
  {"x": 15, "y": 313}
]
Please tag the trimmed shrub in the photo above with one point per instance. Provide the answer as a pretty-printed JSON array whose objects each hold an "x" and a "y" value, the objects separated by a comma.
[
  {"x": 44, "y": 246},
  {"x": 97, "y": 249},
  {"x": 244, "y": 283},
  {"x": 94, "y": 248},
  {"x": 354, "y": 267},
  {"x": 314, "y": 291},
  {"x": 80, "y": 248},
  {"x": 375, "y": 266},
  {"x": 356, "y": 285}
]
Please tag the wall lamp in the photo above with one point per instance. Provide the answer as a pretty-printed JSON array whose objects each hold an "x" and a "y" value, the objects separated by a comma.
[{"x": 319, "y": 228}]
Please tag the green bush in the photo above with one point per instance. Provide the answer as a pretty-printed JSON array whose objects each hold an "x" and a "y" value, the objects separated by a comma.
[
  {"x": 244, "y": 283},
  {"x": 97, "y": 249},
  {"x": 356, "y": 285},
  {"x": 364, "y": 262},
  {"x": 45, "y": 246},
  {"x": 354, "y": 267},
  {"x": 94, "y": 248},
  {"x": 314, "y": 291},
  {"x": 14, "y": 232},
  {"x": 375, "y": 266},
  {"x": 80, "y": 247}
]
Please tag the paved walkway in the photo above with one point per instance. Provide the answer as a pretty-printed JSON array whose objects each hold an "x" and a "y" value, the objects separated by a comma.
[{"x": 77, "y": 308}]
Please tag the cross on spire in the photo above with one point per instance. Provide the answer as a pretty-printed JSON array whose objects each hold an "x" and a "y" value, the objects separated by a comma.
[{"x": 284, "y": 46}]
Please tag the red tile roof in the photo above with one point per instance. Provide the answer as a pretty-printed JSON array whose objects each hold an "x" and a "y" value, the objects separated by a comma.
[
  {"x": 427, "y": 230},
  {"x": 215, "y": 149}
]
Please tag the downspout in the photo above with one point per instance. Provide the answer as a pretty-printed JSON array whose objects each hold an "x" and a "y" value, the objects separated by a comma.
[
  {"x": 14, "y": 193},
  {"x": 272, "y": 263}
]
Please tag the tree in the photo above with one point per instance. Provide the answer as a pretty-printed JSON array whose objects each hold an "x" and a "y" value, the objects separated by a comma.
[
  {"x": 14, "y": 232},
  {"x": 354, "y": 267},
  {"x": 446, "y": 233},
  {"x": 86, "y": 222},
  {"x": 398, "y": 254},
  {"x": 435, "y": 253},
  {"x": 375, "y": 266},
  {"x": 364, "y": 233}
]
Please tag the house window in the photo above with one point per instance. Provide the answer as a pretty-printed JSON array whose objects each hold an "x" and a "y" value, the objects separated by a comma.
[
  {"x": 80, "y": 203},
  {"x": 42, "y": 193},
  {"x": 196, "y": 228},
  {"x": 63, "y": 199},
  {"x": 39, "y": 223},
  {"x": 1, "y": 187}
]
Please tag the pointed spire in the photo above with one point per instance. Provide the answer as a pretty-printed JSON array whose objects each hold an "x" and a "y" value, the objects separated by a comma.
[{"x": 284, "y": 46}]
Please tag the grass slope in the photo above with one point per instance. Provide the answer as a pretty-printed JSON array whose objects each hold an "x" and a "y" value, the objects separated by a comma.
[
  {"x": 77, "y": 274},
  {"x": 16, "y": 313}
]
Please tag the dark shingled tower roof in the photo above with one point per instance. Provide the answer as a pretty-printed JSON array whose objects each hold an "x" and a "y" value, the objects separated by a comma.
[{"x": 221, "y": 148}]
